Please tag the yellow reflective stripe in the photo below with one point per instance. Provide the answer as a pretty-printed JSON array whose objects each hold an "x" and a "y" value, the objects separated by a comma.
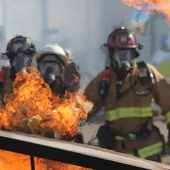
[
  {"x": 150, "y": 150},
  {"x": 119, "y": 138},
  {"x": 167, "y": 117},
  {"x": 128, "y": 112}
]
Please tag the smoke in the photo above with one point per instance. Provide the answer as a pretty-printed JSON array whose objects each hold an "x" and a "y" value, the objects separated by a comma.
[{"x": 58, "y": 21}]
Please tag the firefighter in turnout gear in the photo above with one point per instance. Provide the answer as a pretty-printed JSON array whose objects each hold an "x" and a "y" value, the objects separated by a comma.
[
  {"x": 52, "y": 63},
  {"x": 19, "y": 51},
  {"x": 128, "y": 88}
]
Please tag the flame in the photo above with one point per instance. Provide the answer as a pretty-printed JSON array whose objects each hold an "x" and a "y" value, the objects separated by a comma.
[
  {"x": 151, "y": 6},
  {"x": 32, "y": 108},
  {"x": 15, "y": 161}
]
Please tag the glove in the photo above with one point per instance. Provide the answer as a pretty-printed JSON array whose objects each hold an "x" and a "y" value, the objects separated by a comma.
[
  {"x": 79, "y": 138},
  {"x": 106, "y": 137}
]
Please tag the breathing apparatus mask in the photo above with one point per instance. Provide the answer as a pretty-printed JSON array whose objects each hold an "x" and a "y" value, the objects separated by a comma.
[
  {"x": 19, "y": 61},
  {"x": 121, "y": 61},
  {"x": 51, "y": 69}
]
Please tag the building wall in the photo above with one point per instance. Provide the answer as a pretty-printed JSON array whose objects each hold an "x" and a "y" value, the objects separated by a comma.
[{"x": 79, "y": 25}]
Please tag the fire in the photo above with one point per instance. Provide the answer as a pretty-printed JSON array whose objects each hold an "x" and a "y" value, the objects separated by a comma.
[
  {"x": 32, "y": 108},
  {"x": 150, "y": 6},
  {"x": 11, "y": 160}
]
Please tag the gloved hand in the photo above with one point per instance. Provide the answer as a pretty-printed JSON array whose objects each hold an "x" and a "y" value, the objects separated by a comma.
[
  {"x": 106, "y": 137},
  {"x": 79, "y": 138}
]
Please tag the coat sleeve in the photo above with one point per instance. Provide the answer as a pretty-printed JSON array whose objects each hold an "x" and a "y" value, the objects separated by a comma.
[
  {"x": 161, "y": 93},
  {"x": 92, "y": 93}
]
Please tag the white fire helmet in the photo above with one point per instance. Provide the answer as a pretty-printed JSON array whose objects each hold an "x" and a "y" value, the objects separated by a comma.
[{"x": 53, "y": 47}]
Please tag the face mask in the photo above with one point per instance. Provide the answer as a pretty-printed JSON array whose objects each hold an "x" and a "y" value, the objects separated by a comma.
[
  {"x": 20, "y": 61},
  {"x": 121, "y": 61},
  {"x": 50, "y": 68},
  {"x": 122, "y": 56}
]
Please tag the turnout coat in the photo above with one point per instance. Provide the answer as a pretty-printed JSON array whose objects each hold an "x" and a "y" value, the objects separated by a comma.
[{"x": 129, "y": 116}]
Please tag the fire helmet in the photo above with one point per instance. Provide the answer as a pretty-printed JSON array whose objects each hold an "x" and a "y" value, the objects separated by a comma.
[
  {"x": 20, "y": 44},
  {"x": 122, "y": 38},
  {"x": 53, "y": 49}
]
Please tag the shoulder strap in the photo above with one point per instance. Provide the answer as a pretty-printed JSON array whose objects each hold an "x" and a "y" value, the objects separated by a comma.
[
  {"x": 105, "y": 82},
  {"x": 145, "y": 77},
  {"x": 145, "y": 74}
]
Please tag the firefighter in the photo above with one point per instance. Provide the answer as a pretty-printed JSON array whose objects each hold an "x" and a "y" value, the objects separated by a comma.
[
  {"x": 58, "y": 69},
  {"x": 19, "y": 51},
  {"x": 126, "y": 90},
  {"x": 53, "y": 62}
]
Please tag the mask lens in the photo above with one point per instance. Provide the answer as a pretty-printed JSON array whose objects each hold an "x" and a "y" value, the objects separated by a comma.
[
  {"x": 20, "y": 61},
  {"x": 122, "y": 55},
  {"x": 50, "y": 67}
]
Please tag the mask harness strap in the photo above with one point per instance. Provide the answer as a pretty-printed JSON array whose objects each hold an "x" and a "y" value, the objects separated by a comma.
[
  {"x": 105, "y": 82},
  {"x": 146, "y": 79}
]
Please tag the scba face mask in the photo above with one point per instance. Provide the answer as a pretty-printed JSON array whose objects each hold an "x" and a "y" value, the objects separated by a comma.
[
  {"x": 50, "y": 68},
  {"x": 20, "y": 61},
  {"x": 121, "y": 61}
]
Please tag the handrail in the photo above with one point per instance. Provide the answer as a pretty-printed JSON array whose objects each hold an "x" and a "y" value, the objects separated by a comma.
[{"x": 73, "y": 153}]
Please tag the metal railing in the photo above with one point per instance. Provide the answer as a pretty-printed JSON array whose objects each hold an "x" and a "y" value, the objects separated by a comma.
[{"x": 72, "y": 153}]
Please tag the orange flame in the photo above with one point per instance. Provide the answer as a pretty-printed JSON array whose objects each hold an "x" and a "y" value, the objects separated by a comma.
[
  {"x": 161, "y": 6},
  {"x": 15, "y": 161},
  {"x": 33, "y": 108}
]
